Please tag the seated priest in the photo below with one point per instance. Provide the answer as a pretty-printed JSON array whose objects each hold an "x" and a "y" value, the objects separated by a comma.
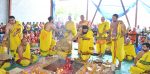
[
  {"x": 142, "y": 61},
  {"x": 129, "y": 48},
  {"x": 85, "y": 42},
  {"x": 23, "y": 55}
]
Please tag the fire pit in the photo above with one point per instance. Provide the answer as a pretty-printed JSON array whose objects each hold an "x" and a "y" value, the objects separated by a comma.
[{"x": 61, "y": 62}]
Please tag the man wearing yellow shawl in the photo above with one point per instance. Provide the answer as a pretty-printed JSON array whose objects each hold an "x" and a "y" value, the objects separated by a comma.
[
  {"x": 14, "y": 34},
  {"x": 46, "y": 41},
  {"x": 142, "y": 61},
  {"x": 23, "y": 55},
  {"x": 129, "y": 48},
  {"x": 70, "y": 27},
  {"x": 85, "y": 42},
  {"x": 117, "y": 32},
  {"x": 103, "y": 28}
]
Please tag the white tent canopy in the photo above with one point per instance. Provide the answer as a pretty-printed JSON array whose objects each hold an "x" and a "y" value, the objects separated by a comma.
[{"x": 38, "y": 10}]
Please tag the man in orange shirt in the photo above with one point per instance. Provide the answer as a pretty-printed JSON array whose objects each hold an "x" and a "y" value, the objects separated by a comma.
[{"x": 132, "y": 35}]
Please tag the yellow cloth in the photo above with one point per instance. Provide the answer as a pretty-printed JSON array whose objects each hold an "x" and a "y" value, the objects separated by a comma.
[
  {"x": 85, "y": 45},
  {"x": 45, "y": 40},
  {"x": 140, "y": 66},
  {"x": 46, "y": 43},
  {"x": 15, "y": 40},
  {"x": 46, "y": 53},
  {"x": 70, "y": 26},
  {"x": 53, "y": 43},
  {"x": 102, "y": 27},
  {"x": 25, "y": 62},
  {"x": 85, "y": 57},
  {"x": 2, "y": 71},
  {"x": 6, "y": 65},
  {"x": 100, "y": 48},
  {"x": 118, "y": 51},
  {"x": 130, "y": 51},
  {"x": 52, "y": 52},
  {"x": 49, "y": 52},
  {"x": 26, "y": 54}
]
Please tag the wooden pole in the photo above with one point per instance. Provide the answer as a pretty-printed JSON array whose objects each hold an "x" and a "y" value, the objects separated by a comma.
[
  {"x": 136, "y": 13},
  {"x": 87, "y": 11},
  {"x": 96, "y": 11},
  {"x": 9, "y": 7},
  {"x": 9, "y": 14},
  {"x": 124, "y": 12},
  {"x": 51, "y": 7}
]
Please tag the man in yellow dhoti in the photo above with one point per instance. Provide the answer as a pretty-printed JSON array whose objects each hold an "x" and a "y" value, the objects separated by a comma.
[
  {"x": 70, "y": 27},
  {"x": 129, "y": 50},
  {"x": 85, "y": 43},
  {"x": 14, "y": 34},
  {"x": 142, "y": 61},
  {"x": 83, "y": 21},
  {"x": 23, "y": 55},
  {"x": 117, "y": 32},
  {"x": 103, "y": 28},
  {"x": 46, "y": 41}
]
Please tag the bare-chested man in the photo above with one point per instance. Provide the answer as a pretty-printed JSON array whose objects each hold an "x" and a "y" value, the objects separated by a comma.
[
  {"x": 82, "y": 22},
  {"x": 23, "y": 54},
  {"x": 117, "y": 32},
  {"x": 46, "y": 40},
  {"x": 13, "y": 34}
]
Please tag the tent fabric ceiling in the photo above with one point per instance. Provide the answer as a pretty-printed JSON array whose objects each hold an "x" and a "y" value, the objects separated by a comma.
[
  {"x": 108, "y": 7},
  {"x": 38, "y": 10},
  {"x": 3, "y": 10}
]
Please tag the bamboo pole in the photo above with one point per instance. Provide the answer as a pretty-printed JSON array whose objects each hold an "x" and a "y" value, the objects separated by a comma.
[
  {"x": 125, "y": 13},
  {"x": 96, "y": 11},
  {"x": 136, "y": 13}
]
